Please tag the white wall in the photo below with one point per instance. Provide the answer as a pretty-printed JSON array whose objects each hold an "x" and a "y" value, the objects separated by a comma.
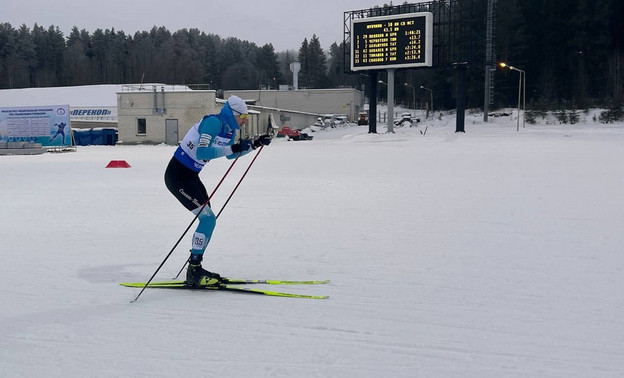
[
  {"x": 188, "y": 107},
  {"x": 347, "y": 101}
]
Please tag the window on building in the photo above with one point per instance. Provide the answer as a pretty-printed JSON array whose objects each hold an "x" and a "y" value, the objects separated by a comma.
[{"x": 141, "y": 126}]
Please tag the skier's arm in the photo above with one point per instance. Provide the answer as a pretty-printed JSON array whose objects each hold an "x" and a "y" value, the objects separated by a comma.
[{"x": 206, "y": 148}]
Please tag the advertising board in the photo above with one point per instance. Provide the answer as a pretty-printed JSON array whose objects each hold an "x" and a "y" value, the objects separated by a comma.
[{"x": 48, "y": 125}]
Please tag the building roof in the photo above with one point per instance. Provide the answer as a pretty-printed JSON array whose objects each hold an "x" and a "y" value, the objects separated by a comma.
[{"x": 82, "y": 95}]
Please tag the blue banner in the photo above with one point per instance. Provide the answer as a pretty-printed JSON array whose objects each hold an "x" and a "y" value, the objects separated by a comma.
[{"x": 48, "y": 125}]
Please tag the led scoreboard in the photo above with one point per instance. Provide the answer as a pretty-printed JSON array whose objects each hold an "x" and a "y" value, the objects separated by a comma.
[{"x": 398, "y": 41}]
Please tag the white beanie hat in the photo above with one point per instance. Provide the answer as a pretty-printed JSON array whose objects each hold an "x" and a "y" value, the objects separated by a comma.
[{"x": 237, "y": 104}]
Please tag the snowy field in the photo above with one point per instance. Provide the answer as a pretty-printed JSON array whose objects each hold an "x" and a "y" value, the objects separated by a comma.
[{"x": 493, "y": 253}]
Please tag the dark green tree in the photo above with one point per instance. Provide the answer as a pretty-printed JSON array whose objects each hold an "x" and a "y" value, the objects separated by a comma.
[
  {"x": 188, "y": 67},
  {"x": 336, "y": 74},
  {"x": 305, "y": 76},
  {"x": 317, "y": 64},
  {"x": 313, "y": 64},
  {"x": 269, "y": 74}
]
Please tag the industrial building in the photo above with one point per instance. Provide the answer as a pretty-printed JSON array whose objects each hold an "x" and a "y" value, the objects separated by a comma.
[
  {"x": 160, "y": 113},
  {"x": 163, "y": 114}
]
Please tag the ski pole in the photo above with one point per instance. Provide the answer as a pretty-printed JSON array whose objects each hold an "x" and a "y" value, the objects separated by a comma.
[
  {"x": 185, "y": 231},
  {"x": 226, "y": 202}
]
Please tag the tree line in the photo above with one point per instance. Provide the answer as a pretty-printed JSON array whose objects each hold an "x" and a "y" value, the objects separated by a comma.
[
  {"x": 572, "y": 52},
  {"x": 43, "y": 57}
]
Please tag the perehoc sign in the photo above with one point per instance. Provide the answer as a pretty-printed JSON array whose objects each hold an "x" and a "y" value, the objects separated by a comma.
[
  {"x": 94, "y": 113},
  {"x": 48, "y": 125}
]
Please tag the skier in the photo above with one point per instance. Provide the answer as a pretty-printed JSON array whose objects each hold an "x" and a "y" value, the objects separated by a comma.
[
  {"x": 60, "y": 131},
  {"x": 212, "y": 137}
]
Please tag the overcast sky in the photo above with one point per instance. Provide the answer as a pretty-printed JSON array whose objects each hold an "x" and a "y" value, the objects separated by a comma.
[{"x": 284, "y": 23}]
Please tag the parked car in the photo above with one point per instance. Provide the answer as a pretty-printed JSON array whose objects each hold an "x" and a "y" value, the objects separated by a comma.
[
  {"x": 293, "y": 134},
  {"x": 328, "y": 120},
  {"x": 362, "y": 118},
  {"x": 340, "y": 120},
  {"x": 406, "y": 118}
]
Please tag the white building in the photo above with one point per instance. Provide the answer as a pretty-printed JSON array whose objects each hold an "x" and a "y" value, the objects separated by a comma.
[
  {"x": 341, "y": 101},
  {"x": 159, "y": 113},
  {"x": 163, "y": 114}
]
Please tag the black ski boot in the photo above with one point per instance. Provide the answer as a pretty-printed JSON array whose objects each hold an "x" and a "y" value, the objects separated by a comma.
[{"x": 198, "y": 276}]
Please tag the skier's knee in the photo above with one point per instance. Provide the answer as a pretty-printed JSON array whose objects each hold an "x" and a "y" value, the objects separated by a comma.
[
  {"x": 207, "y": 219},
  {"x": 205, "y": 213}
]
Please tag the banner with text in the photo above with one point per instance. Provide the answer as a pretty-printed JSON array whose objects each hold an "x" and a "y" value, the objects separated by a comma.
[{"x": 48, "y": 125}]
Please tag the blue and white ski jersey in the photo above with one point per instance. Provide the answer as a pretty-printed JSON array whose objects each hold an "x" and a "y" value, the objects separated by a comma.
[{"x": 208, "y": 139}]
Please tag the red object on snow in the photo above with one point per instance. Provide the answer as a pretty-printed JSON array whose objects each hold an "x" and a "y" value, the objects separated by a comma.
[
  {"x": 291, "y": 133},
  {"x": 118, "y": 164}
]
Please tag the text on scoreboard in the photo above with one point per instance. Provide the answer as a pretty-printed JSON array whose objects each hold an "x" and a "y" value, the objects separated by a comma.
[{"x": 399, "y": 41}]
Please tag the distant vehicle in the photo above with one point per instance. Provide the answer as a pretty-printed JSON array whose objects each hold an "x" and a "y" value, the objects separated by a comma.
[
  {"x": 340, "y": 120},
  {"x": 328, "y": 120},
  {"x": 333, "y": 120},
  {"x": 293, "y": 134},
  {"x": 362, "y": 118},
  {"x": 405, "y": 118}
]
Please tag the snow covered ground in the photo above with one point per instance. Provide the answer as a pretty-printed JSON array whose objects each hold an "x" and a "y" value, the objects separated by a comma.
[{"x": 493, "y": 253}]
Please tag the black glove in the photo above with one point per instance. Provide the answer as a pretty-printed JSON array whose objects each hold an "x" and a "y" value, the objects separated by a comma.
[
  {"x": 243, "y": 145},
  {"x": 263, "y": 140}
]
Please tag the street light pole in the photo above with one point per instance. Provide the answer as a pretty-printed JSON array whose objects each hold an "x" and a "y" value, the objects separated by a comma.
[
  {"x": 431, "y": 99},
  {"x": 390, "y": 72},
  {"x": 521, "y": 93},
  {"x": 414, "y": 96},
  {"x": 384, "y": 83},
  {"x": 390, "y": 86},
  {"x": 523, "y": 78}
]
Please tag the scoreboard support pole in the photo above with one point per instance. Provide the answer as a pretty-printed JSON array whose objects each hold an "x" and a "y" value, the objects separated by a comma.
[
  {"x": 461, "y": 97},
  {"x": 372, "y": 106},
  {"x": 391, "y": 100}
]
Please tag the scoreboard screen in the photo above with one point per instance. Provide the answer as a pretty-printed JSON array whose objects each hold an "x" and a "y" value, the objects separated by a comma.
[{"x": 398, "y": 41}]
